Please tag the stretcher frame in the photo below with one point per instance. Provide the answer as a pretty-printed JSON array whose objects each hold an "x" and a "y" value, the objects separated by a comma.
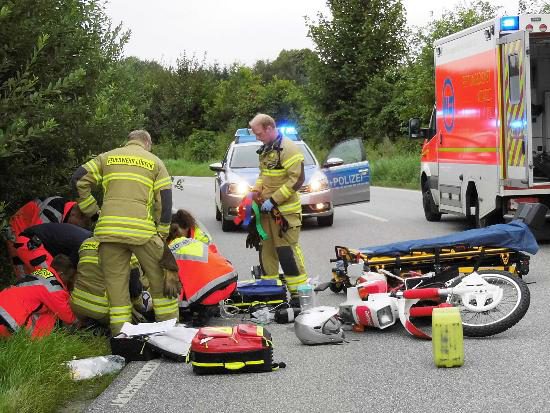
[{"x": 461, "y": 258}]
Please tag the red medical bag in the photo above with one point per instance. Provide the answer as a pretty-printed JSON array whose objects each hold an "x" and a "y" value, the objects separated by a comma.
[{"x": 241, "y": 348}]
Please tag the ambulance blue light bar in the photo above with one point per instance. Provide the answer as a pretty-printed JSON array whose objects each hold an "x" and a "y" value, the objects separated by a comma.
[{"x": 509, "y": 23}]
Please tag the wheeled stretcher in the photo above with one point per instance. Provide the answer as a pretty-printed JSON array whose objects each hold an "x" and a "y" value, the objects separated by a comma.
[{"x": 498, "y": 247}]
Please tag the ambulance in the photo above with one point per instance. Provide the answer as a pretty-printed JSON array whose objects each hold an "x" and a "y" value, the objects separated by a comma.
[{"x": 487, "y": 148}]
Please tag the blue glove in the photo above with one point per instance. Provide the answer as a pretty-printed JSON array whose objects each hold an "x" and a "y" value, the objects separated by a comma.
[{"x": 267, "y": 205}]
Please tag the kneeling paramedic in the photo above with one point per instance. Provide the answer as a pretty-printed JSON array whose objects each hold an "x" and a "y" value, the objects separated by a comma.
[
  {"x": 281, "y": 176},
  {"x": 38, "y": 300},
  {"x": 135, "y": 218},
  {"x": 206, "y": 276},
  {"x": 54, "y": 209},
  {"x": 89, "y": 297}
]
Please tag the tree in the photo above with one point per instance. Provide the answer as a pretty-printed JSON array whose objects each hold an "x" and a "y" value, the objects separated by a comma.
[
  {"x": 362, "y": 40},
  {"x": 58, "y": 84},
  {"x": 289, "y": 65}
]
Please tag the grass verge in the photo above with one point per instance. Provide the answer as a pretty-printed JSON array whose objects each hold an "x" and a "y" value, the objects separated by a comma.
[
  {"x": 33, "y": 377},
  {"x": 397, "y": 171},
  {"x": 180, "y": 167},
  {"x": 400, "y": 171}
]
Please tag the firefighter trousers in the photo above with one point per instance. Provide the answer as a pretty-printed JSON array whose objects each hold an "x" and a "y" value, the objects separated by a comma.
[
  {"x": 284, "y": 248},
  {"x": 115, "y": 264}
]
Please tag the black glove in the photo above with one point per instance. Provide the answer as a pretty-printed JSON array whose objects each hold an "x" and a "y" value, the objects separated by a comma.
[
  {"x": 135, "y": 283},
  {"x": 253, "y": 239}
]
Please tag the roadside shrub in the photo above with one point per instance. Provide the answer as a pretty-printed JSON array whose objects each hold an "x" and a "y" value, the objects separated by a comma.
[{"x": 202, "y": 145}]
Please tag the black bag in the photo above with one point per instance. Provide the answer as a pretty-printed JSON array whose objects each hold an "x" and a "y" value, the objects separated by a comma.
[{"x": 134, "y": 348}]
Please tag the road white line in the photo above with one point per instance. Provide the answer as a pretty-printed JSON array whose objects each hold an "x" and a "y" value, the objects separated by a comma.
[
  {"x": 369, "y": 216},
  {"x": 135, "y": 384}
]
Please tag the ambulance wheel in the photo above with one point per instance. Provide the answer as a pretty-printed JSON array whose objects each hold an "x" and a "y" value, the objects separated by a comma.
[
  {"x": 512, "y": 306},
  {"x": 325, "y": 221},
  {"x": 430, "y": 208},
  {"x": 218, "y": 213}
]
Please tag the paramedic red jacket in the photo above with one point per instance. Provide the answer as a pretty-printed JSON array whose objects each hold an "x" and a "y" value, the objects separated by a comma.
[
  {"x": 206, "y": 277},
  {"x": 38, "y": 211},
  {"x": 35, "y": 303}
]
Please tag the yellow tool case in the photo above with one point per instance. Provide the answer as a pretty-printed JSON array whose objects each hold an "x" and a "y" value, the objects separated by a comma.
[{"x": 447, "y": 337}]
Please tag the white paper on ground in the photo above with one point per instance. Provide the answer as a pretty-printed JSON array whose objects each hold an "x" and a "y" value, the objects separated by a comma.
[
  {"x": 176, "y": 340},
  {"x": 147, "y": 328}
]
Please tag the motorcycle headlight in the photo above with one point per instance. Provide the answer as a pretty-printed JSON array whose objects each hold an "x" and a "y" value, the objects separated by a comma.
[
  {"x": 318, "y": 183},
  {"x": 239, "y": 188}
]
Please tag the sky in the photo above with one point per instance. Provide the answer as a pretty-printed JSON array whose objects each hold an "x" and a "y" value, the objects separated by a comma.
[{"x": 228, "y": 31}]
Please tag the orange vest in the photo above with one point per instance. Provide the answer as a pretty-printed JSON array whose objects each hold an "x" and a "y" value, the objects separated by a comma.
[{"x": 207, "y": 277}]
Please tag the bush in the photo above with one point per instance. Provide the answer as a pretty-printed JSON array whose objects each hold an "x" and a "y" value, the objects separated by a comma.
[{"x": 202, "y": 145}]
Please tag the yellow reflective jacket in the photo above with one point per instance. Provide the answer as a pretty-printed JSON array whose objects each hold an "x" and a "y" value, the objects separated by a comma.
[
  {"x": 89, "y": 287},
  {"x": 281, "y": 175},
  {"x": 132, "y": 179}
]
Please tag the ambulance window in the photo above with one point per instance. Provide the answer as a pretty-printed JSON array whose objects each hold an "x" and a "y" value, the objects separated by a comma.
[{"x": 513, "y": 77}]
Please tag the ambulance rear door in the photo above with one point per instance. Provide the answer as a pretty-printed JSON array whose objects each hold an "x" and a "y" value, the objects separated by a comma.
[{"x": 516, "y": 110}]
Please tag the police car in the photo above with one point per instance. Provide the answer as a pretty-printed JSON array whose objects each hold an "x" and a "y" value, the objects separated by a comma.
[{"x": 342, "y": 179}]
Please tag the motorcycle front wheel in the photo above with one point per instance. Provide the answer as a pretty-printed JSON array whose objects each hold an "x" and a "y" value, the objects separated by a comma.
[{"x": 512, "y": 307}]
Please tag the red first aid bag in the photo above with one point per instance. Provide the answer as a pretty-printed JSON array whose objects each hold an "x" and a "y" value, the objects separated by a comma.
[{"x": 241, "y": 348}]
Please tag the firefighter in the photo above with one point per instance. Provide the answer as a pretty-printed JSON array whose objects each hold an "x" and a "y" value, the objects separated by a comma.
[
  {"x": 185, "y": 225},
  {"x": 37, "y": 245},
  {"x": 281, "y": 175},
  {"x": 38, "y": 300},
  {"x": 89, "y": 298},
  {"x": 206, "y": 276},
  {"x": 135, "y": 218},
  {"x": 53, "y": 209}
]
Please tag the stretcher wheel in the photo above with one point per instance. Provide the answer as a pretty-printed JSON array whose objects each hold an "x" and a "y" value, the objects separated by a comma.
[{"x": 336, "y": 287}]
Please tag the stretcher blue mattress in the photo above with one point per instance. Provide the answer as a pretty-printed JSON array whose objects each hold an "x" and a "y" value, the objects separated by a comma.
[{"x": 516, "y": 235}]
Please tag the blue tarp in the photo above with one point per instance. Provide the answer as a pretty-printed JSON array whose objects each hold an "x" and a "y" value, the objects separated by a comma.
[{"x": 516, "y": 235}]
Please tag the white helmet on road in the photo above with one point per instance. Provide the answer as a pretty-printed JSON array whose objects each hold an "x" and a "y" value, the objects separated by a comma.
[{"x": 319, "y": 325}]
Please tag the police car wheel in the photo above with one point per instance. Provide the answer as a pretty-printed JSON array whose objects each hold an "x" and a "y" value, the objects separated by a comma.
[
  {"x": 325, "y": 221},
  {"x": 227, "y": 225}
]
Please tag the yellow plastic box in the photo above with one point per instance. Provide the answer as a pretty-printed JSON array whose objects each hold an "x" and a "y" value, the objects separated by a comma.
[{"x": 447, "y": 337}]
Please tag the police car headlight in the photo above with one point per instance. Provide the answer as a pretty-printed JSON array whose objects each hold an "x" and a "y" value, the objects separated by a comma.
[
  {"x": 318, "y": 183},
  {"x": 239, "y": 188}
]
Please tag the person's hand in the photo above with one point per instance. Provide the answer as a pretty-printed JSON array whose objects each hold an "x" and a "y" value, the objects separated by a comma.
[
  {"x": 172, "y": 284},
  {"x": 267, "y": 205}
]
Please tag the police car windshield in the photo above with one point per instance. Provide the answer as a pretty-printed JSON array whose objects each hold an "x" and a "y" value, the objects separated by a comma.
[{"x": 246, "y": 156}]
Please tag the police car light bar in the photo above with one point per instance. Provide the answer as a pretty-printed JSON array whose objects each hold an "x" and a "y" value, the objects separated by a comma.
[{"x": 508, "y": 23}]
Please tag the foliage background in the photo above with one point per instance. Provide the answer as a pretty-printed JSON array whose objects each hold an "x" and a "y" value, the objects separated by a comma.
[{"x": 67, "y": 92}]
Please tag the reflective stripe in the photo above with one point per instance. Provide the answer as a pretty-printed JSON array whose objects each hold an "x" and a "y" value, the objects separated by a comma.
[
  {"x": 87, "y": 202},
  {"x": 236, "y": 365},
  {"x": 270, "y": 277},
  {"x": 165, "y": 305},
  {"x": 102, "y": 300},
  {"x": 292, "y": 160},
  {"x": 296, "y": 279},
  {"x": 45, "y": 283},
  {"x": 271, "y": 302},
  {"x": 164, "y": 182},
  {"x": 285, "y": 191},
  {"x": 34, "y": 318},
  {"x": 99, "y": 309},
  {"x": 8, "y": 320},
  {"x": 121, "y": 231},
  {"x": 273, "y": 172},
  {"x": 293, "y": 207},
  {"x": 127, "y": 176},
  {"x": 120, "y": 314},
  {"x": 163, "y": 228},
  {"x": 89, "y": 260},
  {"x": 138, "y": 222},
  {"x": 94, "y": 170},
  {"x": 44, "y": 206},
  {"x": 208, "y": 288}
]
